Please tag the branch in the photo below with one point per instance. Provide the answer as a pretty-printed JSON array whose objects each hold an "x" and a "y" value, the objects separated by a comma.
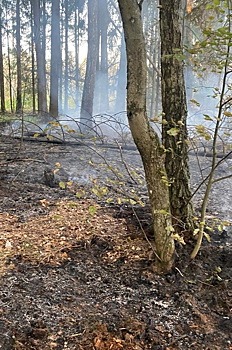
[
  {"x": 207, "y": 177},
  {"x": 222, "y": 178},
  {"x": 124, "y": 163}
]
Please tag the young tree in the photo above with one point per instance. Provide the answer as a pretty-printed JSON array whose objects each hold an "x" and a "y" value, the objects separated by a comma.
[
  {"x": 175, "y": 114},
  {"x": 146, "y": 139}
]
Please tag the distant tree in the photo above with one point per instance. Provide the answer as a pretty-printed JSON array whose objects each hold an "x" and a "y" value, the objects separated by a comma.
[
  {"x": 33, "y": 67},
  {"x": 9, "y": 68},
  {"x": 2, "y": 83},
  {"x": 102, "y": 76},
  {"x": 76, "y": 45},
  {"x": 40, "y": 57},
  {"x": 18, "y": 54},
  {"x": 55, "y": 58},
  {"x": 86, "y": 115},
  {"x": 120, "y": 101},
  {"x": 66, "y": 54},
  {"x": 150, "y": 15}
]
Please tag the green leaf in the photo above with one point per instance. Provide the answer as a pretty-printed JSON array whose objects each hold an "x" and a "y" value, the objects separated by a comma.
[
  {"x": 173, "y": 131},
  {"x": 72, "y": 204},
  {"x": 178, "y": 238},
  {"x": 202, "y": 131},
  {"x": 196, "y": 231},
  {"x": 80, "y": 194},
  {"x": 161, "y": 211},
  {"x": 207, "y": 117},
  {"x": 62, "y": 185},
  {"x": 132, "y": 201},
  {"x": 109, "y": 200},
  {"x": 228, "y": 114},
  {"x": 207, "y": 236},
  {"x": 92, "y": 210},
  {"x": 195, "y": 102},
  {"x": 218, "y": 269}
]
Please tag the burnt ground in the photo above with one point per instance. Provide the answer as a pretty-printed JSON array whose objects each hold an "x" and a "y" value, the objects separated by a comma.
[{"x": 77, "y": 271}]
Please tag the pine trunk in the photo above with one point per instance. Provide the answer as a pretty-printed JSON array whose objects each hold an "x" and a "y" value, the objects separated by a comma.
[{"x": 175, "y": 114}]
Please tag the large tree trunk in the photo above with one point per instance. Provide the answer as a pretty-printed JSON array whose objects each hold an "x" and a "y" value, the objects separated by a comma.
[
  {"x": 145, "y": 138},
  {"x": 175, "y": 114}
]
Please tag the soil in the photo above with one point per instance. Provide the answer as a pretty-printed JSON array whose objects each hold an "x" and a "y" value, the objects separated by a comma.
[{"x": 77, "y": 270}]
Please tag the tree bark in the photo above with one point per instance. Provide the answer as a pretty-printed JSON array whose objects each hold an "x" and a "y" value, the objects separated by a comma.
[
  {"x": 175, "y": 114},
  {"x": 146, "y": 139}
]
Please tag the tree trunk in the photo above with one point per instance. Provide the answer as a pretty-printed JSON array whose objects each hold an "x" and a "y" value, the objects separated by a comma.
[
  {"x": 77, "y": 44},
  {"x": 175, "y": 114},
  {"x": 104, "y": 83},
  {"x": 19, "y": 67},
  {"x": 66, "y": 82},
  {"x": 90, "y": 75},
  {"x": 120, "y": 105},
  {"x": 55, "y": 58},
  {"x": 32, "y": 67},
  {"x": 2, "y": 85},
  {"x": 41, "y": 73},
  {"x": 9, "y": 64},
  {"x": 144, "y": 136}
]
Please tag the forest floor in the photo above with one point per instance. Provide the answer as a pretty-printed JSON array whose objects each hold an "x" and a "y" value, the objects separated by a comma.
[{"x": 76, "y": 269}]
